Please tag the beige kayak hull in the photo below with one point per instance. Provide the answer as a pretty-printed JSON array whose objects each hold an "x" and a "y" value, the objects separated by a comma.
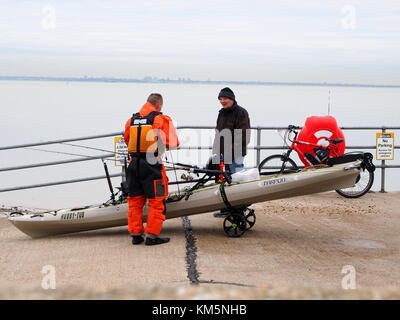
[{"x": 208, "y": 199}]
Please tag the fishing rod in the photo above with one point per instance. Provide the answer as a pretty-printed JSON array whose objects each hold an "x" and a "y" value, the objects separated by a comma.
[
  {"x": 91, "y": 148},
  {"x": 193, "y": 169},
  {"x": 109, "y": 181},
  {"x": 64, "y": 153},
  {"x": 98, "y": 149},
  {"x": 174, "y": 165},
  {"x": 89, "y": 157}
]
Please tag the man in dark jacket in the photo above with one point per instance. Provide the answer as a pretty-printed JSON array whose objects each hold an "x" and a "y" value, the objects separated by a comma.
[
  {"x": 232, "y": 135},
  {"x": 232, "y": 131}
]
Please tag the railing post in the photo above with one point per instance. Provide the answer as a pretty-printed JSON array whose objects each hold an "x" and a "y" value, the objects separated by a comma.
[
  {"x": 383, "y": 169},
  {"x": 258, "y": 145}
]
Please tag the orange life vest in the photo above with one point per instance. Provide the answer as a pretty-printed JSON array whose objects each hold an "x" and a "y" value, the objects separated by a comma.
[{"x": 142, "y": 137}]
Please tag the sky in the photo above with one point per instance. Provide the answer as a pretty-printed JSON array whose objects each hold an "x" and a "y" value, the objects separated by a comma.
[{"x": 351, "y": 41}]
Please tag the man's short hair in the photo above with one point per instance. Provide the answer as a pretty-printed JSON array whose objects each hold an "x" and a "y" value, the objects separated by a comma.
[{"x": 155, "y": 98}]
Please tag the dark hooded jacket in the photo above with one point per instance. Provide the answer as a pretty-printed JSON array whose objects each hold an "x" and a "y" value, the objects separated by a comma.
[{"x": 233, "y": 122}]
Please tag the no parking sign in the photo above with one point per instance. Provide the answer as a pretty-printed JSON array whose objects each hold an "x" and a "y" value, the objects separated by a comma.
[
  {"x": 385, "y": 146},
  {"x": 121, "y": 151}
]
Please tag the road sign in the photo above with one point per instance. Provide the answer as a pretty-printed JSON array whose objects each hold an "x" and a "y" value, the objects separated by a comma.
[
  {"x": 121, "y": 151},
  {"x": 385, "y": 146}
]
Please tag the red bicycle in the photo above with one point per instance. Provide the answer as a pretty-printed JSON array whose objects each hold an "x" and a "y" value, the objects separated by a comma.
[{"x": 282, "y": 163}]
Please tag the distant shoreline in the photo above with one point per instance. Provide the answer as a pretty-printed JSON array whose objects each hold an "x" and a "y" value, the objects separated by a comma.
[{"x": 189, "y": 81}]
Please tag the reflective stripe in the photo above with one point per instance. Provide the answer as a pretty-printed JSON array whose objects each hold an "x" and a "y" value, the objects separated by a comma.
[{"x": 140, "y": 121}]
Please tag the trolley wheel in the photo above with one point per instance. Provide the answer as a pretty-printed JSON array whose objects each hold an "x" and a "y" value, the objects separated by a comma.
[
  {"x": 250, "y": 219},
  {"x": 235, "y": 225}
]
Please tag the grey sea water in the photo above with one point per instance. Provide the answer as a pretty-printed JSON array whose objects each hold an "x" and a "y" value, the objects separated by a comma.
[{"x": 33, "y": 111}]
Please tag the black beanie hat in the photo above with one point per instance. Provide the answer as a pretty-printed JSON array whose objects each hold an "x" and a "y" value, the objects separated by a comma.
[{"x": 227, "y": 93}]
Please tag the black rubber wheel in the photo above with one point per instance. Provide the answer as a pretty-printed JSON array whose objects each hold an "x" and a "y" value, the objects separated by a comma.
[
  {"x": 234, "y": 225},
  {"x": 363, "y": 184},
  {"x": 250, "y": 219},
  {"x": 273, "y": 165}
]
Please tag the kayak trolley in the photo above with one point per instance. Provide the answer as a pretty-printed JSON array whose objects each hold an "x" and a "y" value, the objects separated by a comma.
[
  {"x": 238, "y": 221},
  {"x": 240, "y": 218}
]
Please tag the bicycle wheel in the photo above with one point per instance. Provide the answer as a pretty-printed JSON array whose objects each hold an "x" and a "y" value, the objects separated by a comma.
[
  {"x": 273, "y": 165},
  {"x": 363, "y": 184}
]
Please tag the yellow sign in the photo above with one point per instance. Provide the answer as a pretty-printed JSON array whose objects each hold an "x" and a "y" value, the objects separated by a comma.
[
  {"x": 385, "y": 146},
  {"x": 121, "y": 151}
]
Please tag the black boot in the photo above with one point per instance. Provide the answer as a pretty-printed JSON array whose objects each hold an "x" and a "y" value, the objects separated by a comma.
[
  {"x": 137, "y": 239},
  {"x": 155, "y": 241}
]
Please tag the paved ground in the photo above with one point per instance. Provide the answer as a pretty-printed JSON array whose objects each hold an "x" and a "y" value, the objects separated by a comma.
[{"x": 297, "y": 249}]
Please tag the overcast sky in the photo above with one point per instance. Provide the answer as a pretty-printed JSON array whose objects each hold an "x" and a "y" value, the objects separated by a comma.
[{"x": 310, "y": 41}]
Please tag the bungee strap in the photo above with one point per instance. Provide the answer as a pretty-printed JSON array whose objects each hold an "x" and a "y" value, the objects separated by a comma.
[
  {"x": 16, "y": 213},
  {"x": 223, "y": 195}
]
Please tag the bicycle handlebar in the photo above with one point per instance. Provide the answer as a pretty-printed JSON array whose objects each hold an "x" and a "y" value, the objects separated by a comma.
[{"x": 292, "y": 128}]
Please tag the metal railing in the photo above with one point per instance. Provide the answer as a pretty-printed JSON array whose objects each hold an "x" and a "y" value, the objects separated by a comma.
[{"x": 258, "y": 147}]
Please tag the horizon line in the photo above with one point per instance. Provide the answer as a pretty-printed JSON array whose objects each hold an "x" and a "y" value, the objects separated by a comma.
[{"x": 190, "y": 81}]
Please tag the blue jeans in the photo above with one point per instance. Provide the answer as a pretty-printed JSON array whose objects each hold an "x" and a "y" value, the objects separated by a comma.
[{"x": 236, "y": 165}]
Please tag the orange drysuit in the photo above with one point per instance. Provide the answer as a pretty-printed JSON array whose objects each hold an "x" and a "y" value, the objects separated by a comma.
[{"x": 146, "y": 133}]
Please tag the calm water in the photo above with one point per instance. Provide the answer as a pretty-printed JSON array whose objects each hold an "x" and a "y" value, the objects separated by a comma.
[{"x": 41, "y": 111}]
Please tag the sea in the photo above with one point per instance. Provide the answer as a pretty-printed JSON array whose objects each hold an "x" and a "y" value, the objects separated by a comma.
[{"x": 39, "y": 111}]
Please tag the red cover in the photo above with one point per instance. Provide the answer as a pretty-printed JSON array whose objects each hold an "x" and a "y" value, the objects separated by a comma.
[{"x": 315, "y": 130}]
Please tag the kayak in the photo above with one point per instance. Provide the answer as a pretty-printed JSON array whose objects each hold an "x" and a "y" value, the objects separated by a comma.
[{"x": 212, "y": 197}]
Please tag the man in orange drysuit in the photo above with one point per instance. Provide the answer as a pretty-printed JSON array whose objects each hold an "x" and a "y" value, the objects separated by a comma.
[{"x": 147, "y": 134}]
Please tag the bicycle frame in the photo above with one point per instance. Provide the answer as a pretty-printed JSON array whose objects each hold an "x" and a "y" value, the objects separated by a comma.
[{"x": 332, "y": 149}]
